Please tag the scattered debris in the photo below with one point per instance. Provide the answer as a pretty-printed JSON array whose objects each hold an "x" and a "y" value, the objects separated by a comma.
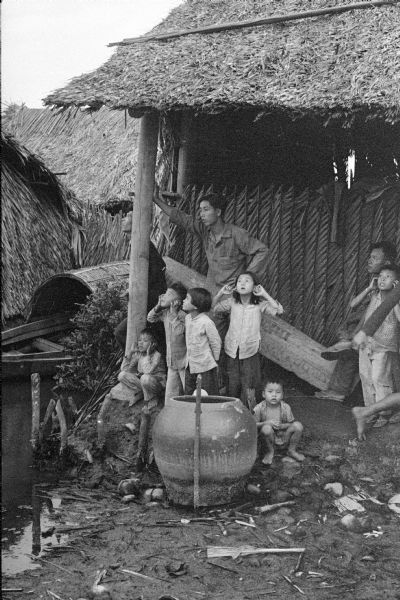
[
  {"x": 348, "y": 503},
  {"x": 176, "y": 568},
  {"x": 290, "y": 582},
  {"x": 235, "y": 552},
  {"x": 270, "y": 507},
  {"x": 336, "y": 488},
  {"x": 394, "y": 503},
  {"x": 356, "y": 524}
]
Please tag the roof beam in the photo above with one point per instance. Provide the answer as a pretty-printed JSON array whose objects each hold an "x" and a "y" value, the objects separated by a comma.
[{"x": 254, "y": 22}]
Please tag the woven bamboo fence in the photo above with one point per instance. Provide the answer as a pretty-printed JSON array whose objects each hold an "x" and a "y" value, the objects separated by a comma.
[
  {"x": 103, "y": 240},
  {"x": 319, "y": 243}
]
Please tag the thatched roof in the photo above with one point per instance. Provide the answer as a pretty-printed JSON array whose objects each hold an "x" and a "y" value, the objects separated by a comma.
[
  {"x": 97, "y": 151},
  {"x": 36, "y": 220},
  {"x": 326, "y": 64}
]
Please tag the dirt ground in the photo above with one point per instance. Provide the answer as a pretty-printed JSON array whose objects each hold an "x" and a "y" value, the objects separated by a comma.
[{"x": 165, "y": 548}]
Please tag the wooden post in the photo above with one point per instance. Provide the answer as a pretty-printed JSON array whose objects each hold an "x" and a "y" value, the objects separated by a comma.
[
  {"x": 186, "y": 149},
  {"x": 196, "y": 457},
  {"x": 141, "y": 227},
  {"x": 35, "y": 395}
]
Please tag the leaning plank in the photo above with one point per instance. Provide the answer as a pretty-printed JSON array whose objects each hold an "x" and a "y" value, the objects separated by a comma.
[
  {"x": 280, "y": 342},
  {"x": 53, "y": 324},
  {"x": 234, "y": 552},
  {"x": 295, "y": 351}
]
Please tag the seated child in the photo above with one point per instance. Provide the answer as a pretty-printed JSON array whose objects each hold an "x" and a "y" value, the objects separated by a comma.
[
  {"x": 275, "y": 422},
  {"x": 168, "y": 310},
  {"x": 377, "y": 356},
  {"x": 143, "y": 371},
  {"x": 203, "y": 343}
]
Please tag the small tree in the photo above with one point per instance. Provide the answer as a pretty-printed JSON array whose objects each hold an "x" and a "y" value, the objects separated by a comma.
[{"x": 92, "y": 343}]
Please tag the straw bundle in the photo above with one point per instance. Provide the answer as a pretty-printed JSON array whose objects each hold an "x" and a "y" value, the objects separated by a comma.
[
  {"x": 311, "y": 274},
  {"x": 329, "y": 65},
  {"x": 36, "y": 226}
]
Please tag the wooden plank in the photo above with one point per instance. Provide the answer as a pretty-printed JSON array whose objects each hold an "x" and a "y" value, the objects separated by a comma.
[
  {"x": 47, "y": 345},
  {"x": 280, "y": 342},
  {"x": 24, "y": 368},
  {"x": 52, "y": 324}
]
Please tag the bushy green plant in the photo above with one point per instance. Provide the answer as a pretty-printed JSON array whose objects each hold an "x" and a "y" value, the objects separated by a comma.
[{"x": 92, "y": 343}]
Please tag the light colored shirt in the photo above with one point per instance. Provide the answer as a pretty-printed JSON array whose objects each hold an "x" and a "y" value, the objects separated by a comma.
[
  {"x": 203, "y": 343},
  {"x": 244, "y": 332},
  {"x": 231, "y": 253},
  {"x": 174, "y": 326},
  {"x": 386, "y": 337}
]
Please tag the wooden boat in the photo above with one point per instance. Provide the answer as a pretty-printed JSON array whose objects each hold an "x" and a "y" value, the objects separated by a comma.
[
  {"x": 34, "y": 347},
  {"x": 26, "y": 351}
]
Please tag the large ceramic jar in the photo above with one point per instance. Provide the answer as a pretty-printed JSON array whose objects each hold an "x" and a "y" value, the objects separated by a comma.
[{"x": 228, "y": 448}]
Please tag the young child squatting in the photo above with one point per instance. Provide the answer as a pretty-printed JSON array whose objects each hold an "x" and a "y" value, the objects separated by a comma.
[
  {"x": 143, "y": 372},
  {"x": 275, "y": 423}
]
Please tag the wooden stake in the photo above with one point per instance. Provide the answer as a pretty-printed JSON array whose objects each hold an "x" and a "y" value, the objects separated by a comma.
[
  {"x": 196, "y": 461},
  {"x": 255, "y": 22},
  {"x": 35, "y": 395},
  {"x": 141, "y": 227},
  {"x": 49, "y": 411},
  {"x": 63, "y": 427}
]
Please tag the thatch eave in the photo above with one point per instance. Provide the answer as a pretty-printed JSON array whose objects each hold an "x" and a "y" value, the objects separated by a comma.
[{"x": 331, "y": 64}]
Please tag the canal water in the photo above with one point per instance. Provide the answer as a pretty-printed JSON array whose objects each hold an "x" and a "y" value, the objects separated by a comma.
[{"x": 28, "y": 507}]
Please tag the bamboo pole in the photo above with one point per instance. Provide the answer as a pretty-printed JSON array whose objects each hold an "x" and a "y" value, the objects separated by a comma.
[
  {"x": 255, "y": 22},
  {"x": 141, "y": 227},
  {"x": 196, "y": 458},
  {"x": 35, "y": 395}
]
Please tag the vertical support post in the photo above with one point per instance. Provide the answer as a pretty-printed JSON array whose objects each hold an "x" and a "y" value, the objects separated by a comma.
[
  {"x": 141, "y": 227},
  {"x": 35, "y": 395},
  {"x": 196, "y": 457},
  {"x": 186, "y": 150}
]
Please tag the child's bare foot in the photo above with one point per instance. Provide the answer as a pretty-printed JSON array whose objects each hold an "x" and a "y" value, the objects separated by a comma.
[
  {"x": 268, "y": 458},
  {"x": 361, "y": 421},
  {"x": 296, "y": 455}
]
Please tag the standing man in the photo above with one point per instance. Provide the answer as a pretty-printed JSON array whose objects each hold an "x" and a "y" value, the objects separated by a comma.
[
  {"x": 345, "y": 373},
  {"x": 230, "y": 250}
]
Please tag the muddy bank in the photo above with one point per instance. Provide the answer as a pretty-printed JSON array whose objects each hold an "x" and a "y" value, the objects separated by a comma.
[{"x": 166, "y": 551}]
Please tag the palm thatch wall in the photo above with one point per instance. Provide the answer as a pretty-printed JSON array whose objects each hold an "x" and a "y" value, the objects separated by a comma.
[
  {"x": 37, "y": 221},
  {"x": 96, "y": 152},
  {"x": 333, "y": 64},
  {"x": 319, "y": 243}
]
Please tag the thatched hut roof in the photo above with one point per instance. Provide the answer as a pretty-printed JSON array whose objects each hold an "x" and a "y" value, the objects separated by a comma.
[
  {"x": 95, "y": 151},
  {"x": 36, "y": 217},
  {"x": 326, "y": 64}
]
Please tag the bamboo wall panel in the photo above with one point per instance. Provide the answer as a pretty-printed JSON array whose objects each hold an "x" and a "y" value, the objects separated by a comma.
[{"x": 317, "y": 257}]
